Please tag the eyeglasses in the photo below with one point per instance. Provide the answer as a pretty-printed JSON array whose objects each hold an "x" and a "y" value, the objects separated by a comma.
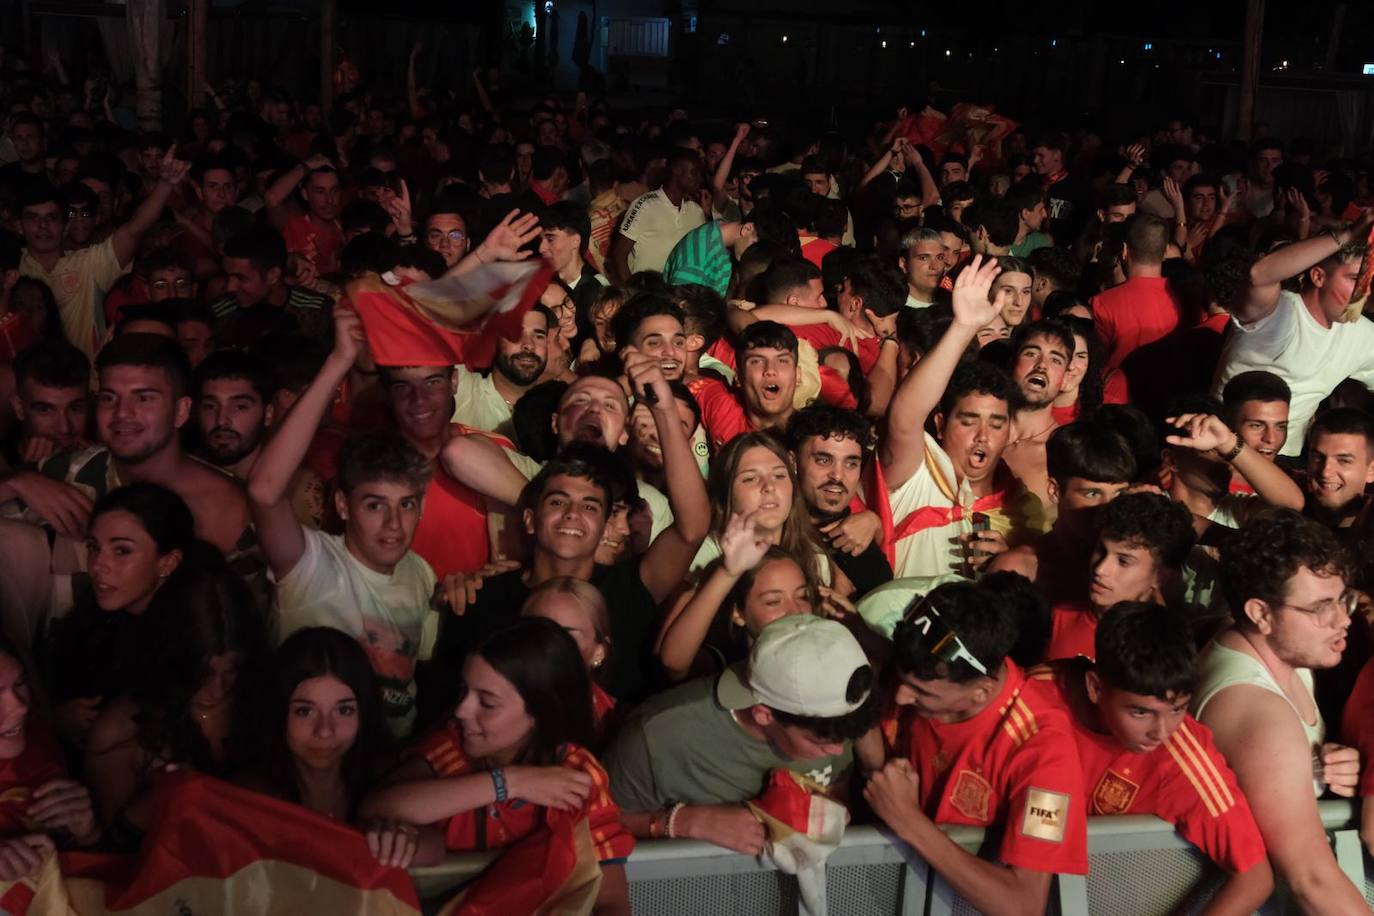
[
  {"x": 938, "y": 636},
  {"x": 1329, "y": 612},
  {"x": 453, "y": 235},
  {"x": 80, "y": 214},
  {"x": 567, "y": 305},
  {"x": 161, "y": 285}
]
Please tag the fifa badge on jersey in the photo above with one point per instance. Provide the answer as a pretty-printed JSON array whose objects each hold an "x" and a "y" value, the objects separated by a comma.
[
  {"x": 1114, "y": 794},
  {"x": 1047, "y": 815},
  {"x": 971, "y": 796}
]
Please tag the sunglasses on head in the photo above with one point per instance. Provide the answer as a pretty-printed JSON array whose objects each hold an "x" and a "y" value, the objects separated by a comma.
[{"x": 938, "y": 637}]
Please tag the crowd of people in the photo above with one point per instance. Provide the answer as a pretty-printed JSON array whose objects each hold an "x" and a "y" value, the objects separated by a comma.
[{"x": 967, "y": 472}]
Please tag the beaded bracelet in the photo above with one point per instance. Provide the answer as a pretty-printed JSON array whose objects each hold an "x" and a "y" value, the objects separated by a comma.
[
  {"x": 498, "y": 779},
  {"x": 672, "y": 820}
]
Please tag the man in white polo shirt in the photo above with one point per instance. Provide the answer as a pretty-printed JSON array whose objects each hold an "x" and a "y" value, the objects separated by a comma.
[
  {"x": 657, "y": 221},
  {"x": 1303, "y": 337},
  {"x": 935, "y": 486}
]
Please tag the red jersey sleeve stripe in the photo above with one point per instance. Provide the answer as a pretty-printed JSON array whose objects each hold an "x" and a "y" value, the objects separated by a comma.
[
  {"x": 1203, "y": 791},
  {"x": 1031, "y": 725},
  {"x": 1206, "y": 768}
]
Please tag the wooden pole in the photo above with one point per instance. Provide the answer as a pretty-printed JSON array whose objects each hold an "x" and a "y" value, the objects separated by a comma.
[
  {"x": 144, "y": 18},
  {"x": 197, "y": 69},
  {"x": 1249, "y": 68},
  {"x": 328, "y": 15}
]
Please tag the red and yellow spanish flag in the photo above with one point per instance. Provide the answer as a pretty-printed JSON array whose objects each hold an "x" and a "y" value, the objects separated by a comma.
[
  {"x": 216, "y": 848},
  {"x": 551, "y": 872},
  {"x": 451, "y": 320}
]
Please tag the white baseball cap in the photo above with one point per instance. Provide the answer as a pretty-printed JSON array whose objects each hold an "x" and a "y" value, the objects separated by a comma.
[{"x": 800, "y": 664}]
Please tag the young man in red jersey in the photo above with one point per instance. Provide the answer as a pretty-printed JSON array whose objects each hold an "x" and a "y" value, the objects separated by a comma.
[
  {"x": 1143, "y": 754},
  {"x": 976, "y": 742}
]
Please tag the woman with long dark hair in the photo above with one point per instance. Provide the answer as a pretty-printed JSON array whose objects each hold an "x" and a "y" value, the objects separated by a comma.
[
  {"x": 324, "y": 734},
  {"x": 191, "y": 707},
  {"x": 139, "y": 537},
  {"x": 515, "y": 746}
]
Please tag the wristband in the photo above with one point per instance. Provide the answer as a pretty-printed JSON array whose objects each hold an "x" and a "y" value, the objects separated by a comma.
[
  {"x": 672, "y": 820},
  {"x": 1331, "y": 231},
  {"x": 1231, "y": 455},
  {"x": 498, "y": 779}
]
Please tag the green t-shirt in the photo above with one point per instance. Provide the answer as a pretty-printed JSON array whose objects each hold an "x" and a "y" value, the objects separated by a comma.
[
  {"x": 1031, "y": 242},
  {"x": 700, "y": 257},
  {"x": 683, "y": 746}
]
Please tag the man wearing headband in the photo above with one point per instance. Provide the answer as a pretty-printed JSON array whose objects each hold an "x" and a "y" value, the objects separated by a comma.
[
  {"x": 976, "y": 741},
  {"x": 687, "y": 760}
]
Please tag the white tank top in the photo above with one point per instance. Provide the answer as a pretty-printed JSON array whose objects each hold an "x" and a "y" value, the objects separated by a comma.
[{"x": 1224, "y": 667}]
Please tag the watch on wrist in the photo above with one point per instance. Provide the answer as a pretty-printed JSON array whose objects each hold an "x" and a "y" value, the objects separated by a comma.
[{"x": 1231, "y": 455}]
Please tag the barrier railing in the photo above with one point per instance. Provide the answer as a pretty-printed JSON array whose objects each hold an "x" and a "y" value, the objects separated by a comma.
[{"x": 1138, "y": 866}]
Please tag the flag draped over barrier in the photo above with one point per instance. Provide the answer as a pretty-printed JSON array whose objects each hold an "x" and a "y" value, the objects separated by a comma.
[{"x": 218, "y": 849}]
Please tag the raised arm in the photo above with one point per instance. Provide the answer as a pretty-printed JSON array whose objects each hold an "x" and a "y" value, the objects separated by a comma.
[
  {"x": 880, "y": 166},
  {"x": 903, "y": 448},
  {"x": 727, "y": 162},
  {"x": 1209, "y": 434},
  {"x": 1270, "y": 271},
  {"x": 482, "y": 96},
  {"x": 505, "y": 242},
  {"x": 126, "y": 238},
  {"x": 281, "y": 189},
  {"x": 930, "y": 191},
  {"x": 412, "y": 89},
  {"x": 279, "y": 531},
  {"x": 669, "y": 557},
  {"x": 741, "y": 550}
]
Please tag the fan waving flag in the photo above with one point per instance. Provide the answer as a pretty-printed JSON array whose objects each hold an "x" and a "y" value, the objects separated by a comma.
[
  {"x": 450, "y": 320},
  {"x": 216, "y": 848}
]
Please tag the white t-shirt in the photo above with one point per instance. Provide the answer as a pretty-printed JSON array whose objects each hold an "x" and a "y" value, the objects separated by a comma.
[
  {"x": 928, "y": 553},
  {"x": 913, "y": 303},
  {"x": 655, "y": 226},
  {"x": 390, "y": 616},
  {"x": 478, "y": 404},
  {"x": 1312, "y": 359}
]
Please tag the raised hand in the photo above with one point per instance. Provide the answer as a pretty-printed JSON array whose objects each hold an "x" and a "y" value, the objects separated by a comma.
[
  {"x": 741, "y": 548},
  {"x": 172, "y": 170},
  {"x": 1203, "y": 432},
  {"x": 646, "y": 374},
  {"x": 1174, "y": 196},
  {"x": 348, "y": 335},
  {"x": 742, "y": 130},
  {"x": 506, "y": 241},
  {"x": 973, "y": 305},
  {"x": 1135, "y": 154},
  {"x": 397, "y": 206}
]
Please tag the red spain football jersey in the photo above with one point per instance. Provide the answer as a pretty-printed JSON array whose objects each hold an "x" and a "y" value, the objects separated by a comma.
[
  {"x": 1014, "y": 765},
  {"x": 1073, "y": 631},
  {"x": 1185, "y": 781},
  {"x": 496, "y": 826}
]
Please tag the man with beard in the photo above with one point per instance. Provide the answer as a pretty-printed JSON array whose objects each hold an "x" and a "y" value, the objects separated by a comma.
[
  {"x": 142, "y": 400},
  {"x": 233, "y": 410},
  {"x": 1285, "y": 581},
  {"x": 828, "y": 446},
  {"x": 484, "y": 400},
  {"x": 1040, "y": 355}
]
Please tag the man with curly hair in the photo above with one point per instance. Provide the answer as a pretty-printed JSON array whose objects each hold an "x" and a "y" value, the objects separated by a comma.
[
  {"x": 1143, "y": 540},
  {"x": 1285, "y": 581}
]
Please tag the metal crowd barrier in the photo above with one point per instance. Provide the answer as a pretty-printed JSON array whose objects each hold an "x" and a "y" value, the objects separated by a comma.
[{"x": 1138, "y": 867}]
